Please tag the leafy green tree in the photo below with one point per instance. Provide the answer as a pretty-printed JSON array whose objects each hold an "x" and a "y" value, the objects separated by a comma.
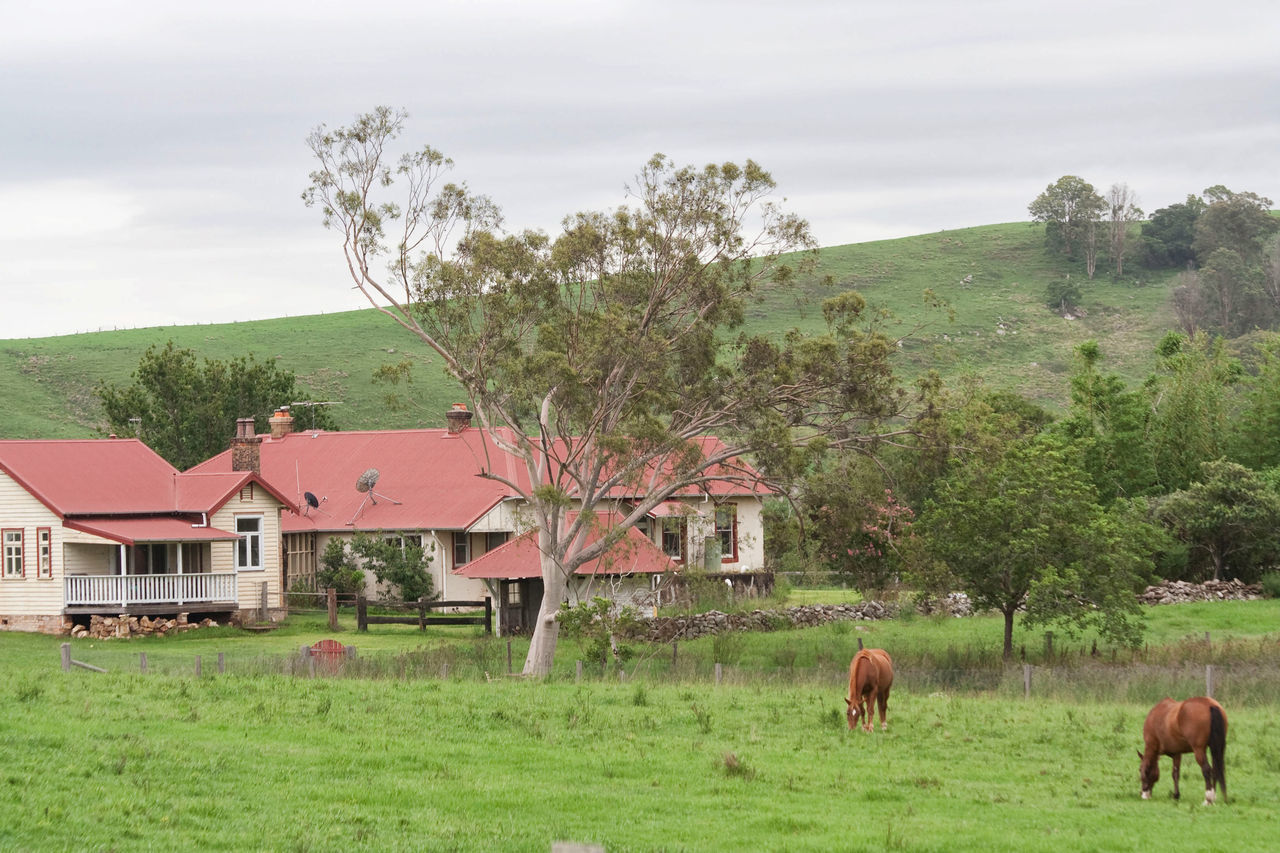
[
  {"x": 1027, "y": 532},
  {"x": 1071, "y": 210},
  {"x": 855, "y": 521},
  {"x": 1109, "y": 425},
  {"x": 339, "y": 569},
  {"x": 405, "y": 568},
  {"x": 1230, "y": 516},
  {"x": 1255, "y": 439},
  {"x": 1190, "y": 402},
  {"x": 186, "y": 410},
  {"x": 1241, "y": 222},
  {"x": 1168, "y": 237},
  {"x": 603, "y": 355}
]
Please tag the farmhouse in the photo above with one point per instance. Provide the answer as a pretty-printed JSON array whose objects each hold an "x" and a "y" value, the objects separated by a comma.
[
  {"x": 106, "y": 526},
  {"x": 426, "y": 487}
]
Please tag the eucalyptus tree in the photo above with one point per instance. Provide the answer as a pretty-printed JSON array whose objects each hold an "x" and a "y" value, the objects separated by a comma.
[
  {"x": 1071, "y": 209},
  {"x": 602, "y": 358}
]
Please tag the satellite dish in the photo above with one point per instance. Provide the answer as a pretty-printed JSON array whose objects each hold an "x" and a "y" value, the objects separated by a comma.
[
  {"x": 366, "y": 481},
  {"x": 312, "y": 500}
]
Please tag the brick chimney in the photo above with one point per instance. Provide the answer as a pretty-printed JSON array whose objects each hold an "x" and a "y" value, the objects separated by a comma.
[
  {"x": 246, "y": 448},
  {"x": 281, "y": 423},
  {"x": 458, "y": 418}
]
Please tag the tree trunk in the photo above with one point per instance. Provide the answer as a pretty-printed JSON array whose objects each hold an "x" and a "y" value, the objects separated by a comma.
[
  {"x": 546, "y": 630},
  {"x": 1008, "y": 634}
]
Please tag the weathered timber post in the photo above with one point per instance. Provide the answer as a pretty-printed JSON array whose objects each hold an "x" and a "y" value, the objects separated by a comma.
[
  {"x": 66, "y": 657},
  {"x": 1026, "y": 681},
  {"x": 1208, "y": 680},
  {"x": 719, "y": 674},
  {"x": 508, "y": 657},
  {"x": 577, "y": 671},
  {"x": 422, "y": 613},
  {"x": 264, "y": 610},
  {"x": 362, "y": 613},
  {"x": 197, "y": 666},
  {"x": 859, "y": 644},
  {"x": 673, "y": 654},
  {"x": 488, "y": 615},
  {"x": 142, "y": 662},
  {"x": 332, "y": 595},
  {"x": 222, "y": 662}
]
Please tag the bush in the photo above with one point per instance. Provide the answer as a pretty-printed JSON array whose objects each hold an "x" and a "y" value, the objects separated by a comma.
[{"x": 1271, "y": 585}]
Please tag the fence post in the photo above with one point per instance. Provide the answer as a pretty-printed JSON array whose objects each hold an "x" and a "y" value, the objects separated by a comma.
[
  {"x": 197, "y": 666},
  {"x": 263, "y": 601},
  {"x": 362, "y": 613},
  {"x": 66, "y": 657},
  {"x": 1026, "y": 681},
  {"x": 332, "y": 595},
  {"x": 673, "y": 654},
  {"x": 142, "y": 662},
  {"x": 719, "y": 674},
  {"x": 1208, "y": 680},
  {"x": 222, "y": 662},
  {"x": 577, "y": 671},
  {"x": 488, "y": 615},
  {"x": 444, "y": 671},
  {"x": 859, "y": 644},
  {"x": 508, "y": 657},
  {"x": 422, "y": 613}
]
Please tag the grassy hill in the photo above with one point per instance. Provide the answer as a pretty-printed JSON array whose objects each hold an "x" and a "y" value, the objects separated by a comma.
[{"x": 993, "y": 279}]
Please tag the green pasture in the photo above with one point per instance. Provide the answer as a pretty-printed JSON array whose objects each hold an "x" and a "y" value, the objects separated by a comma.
[
  {"x": 995, "y": 325},
  {"x": 389, "y": 754}
]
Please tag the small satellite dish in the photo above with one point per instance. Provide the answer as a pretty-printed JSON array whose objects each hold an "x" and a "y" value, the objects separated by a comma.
[
  {"x": 366, "y": 481},
  {"x": 312, "y": 500}
]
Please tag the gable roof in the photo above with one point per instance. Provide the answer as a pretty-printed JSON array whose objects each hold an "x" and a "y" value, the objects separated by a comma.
[
  {"x": 113, "y": 477},
  {"x": 428, "y": 479},
  {"x": 519, "y": 558}
]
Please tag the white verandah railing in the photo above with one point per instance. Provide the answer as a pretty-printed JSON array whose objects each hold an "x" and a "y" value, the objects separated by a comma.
[{"x": 84, "y": 590}]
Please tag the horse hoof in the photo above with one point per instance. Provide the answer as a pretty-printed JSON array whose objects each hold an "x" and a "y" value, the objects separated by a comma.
[
  {"x": 1146, "y": 795},
  {"x": 1209, "y": 798}
]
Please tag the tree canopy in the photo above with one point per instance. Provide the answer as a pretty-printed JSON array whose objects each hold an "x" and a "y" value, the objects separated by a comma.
[
  {"x": 604, "y": 355},
  {"x": 186, "y": 409},
  {"x": 1071, "y": 209}
]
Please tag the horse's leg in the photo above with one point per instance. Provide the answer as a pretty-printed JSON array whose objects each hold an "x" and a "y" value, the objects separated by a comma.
[
  {"x": 1177, "y": 769},
  {"x": 868, "y": 722},
  {"x": 1207, "y": 769},
  {"x": 883, "y": 702}
]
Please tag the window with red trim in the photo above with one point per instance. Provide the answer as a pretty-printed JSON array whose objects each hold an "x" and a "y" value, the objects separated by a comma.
[
  {"x": 14, "y": 564},
  {"x": 727, "y": 531},
  {"x": 44, "y": 552}
]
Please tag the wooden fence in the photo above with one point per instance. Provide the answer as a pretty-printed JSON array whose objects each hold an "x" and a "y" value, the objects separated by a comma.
[{"x": 423, "y": 617}]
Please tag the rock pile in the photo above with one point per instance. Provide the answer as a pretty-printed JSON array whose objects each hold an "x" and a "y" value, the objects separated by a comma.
[
  {"x": 666, "y": 629},
  {"x": 1180, "y": 592},
  {"x": 111, "y": 627}
]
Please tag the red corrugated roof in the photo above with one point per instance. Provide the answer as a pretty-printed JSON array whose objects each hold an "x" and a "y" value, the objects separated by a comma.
[
  {"x": 519, "y": 558},
  {"x": 131, "y": 531},
  {"x": 118, "y": 476},
  {"x": 427, "y": 479}
]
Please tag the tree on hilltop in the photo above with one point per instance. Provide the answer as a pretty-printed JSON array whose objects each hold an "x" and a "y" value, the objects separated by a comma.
[
  {"x": 1071, "y": 209},
  {"x": 601, "y": 357}
]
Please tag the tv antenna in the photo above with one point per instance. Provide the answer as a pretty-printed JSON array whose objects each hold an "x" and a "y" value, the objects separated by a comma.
[{"x": 364, "y": 484}]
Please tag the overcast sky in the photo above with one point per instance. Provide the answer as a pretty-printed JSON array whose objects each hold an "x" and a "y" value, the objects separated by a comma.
[{"x": 153, "y": 153}]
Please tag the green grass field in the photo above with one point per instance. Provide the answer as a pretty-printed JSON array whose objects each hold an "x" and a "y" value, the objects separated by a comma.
[
  {"x": 392, "y": 756},
  {"x": 1001, "y": 331}
]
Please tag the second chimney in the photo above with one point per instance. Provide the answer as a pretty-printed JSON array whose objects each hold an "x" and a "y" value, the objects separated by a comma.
[
  {"x": 458, "y": 418},
  {"x": 281, "y": 423},
  {"x": 246, "y": 448}
]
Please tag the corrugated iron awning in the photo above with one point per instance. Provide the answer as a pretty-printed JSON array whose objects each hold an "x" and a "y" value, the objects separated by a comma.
[{"x": 133, "y": 531}]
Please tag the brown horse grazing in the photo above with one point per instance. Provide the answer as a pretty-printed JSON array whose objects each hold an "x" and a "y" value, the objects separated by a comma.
[
  {"x": 1173, "y": 728},
  {"x": 870, "y": 677}
]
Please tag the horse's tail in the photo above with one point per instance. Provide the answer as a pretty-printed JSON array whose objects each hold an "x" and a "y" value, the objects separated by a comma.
[{"x": 1218, "y": 746}]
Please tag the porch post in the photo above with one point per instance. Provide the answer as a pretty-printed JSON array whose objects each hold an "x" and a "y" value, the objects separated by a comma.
[
  {"x": 124, "y": 572},
  {"x": 178, "y": 545}
]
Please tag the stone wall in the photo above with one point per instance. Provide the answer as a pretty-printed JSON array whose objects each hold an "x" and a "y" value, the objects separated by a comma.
[
  {"x": 1180, "y": 592},
  {"x": 668, "y": 628}
]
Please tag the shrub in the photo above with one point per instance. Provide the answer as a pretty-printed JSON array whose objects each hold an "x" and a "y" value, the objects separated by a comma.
[{"x": 1271, "y": 585}]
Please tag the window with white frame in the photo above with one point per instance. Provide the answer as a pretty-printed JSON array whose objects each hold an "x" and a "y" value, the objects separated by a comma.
[
  {"x": 14, "y": 566},
  {"x": 44, "y": 552},
  {"x": 249, "y": 548},
  {"x": 727, "y": 532},
  {"x": 461, "y": 548}
]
